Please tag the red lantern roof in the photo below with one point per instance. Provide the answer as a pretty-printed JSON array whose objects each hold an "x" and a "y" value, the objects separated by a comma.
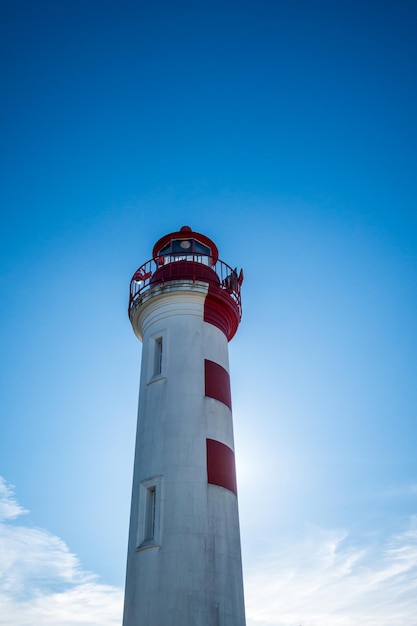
[{"x": 188, "y": 241}]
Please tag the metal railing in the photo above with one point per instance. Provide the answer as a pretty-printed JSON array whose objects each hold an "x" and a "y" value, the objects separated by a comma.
[{"x": 226, "y": 278}]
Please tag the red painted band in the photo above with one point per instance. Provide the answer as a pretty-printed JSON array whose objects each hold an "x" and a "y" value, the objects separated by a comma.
[
  {"x": 221, "y": 468},
  {"x": 217, "y": 382},
  {"x": 221, "y": 310},
  {"x": 188, "y": 270}
]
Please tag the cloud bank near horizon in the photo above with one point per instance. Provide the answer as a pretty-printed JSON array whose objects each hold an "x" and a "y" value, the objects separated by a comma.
[
  {"x": 42, "y": 582},
  {"x": 326, "y": 578},
  {"x": 331, "y": 579}
]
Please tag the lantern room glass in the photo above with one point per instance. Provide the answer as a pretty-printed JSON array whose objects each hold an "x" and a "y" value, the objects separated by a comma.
[{"x": 186, "y": 250}]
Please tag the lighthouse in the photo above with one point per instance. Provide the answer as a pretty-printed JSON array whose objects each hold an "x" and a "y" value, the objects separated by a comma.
[{"x": 184, "y": 558}]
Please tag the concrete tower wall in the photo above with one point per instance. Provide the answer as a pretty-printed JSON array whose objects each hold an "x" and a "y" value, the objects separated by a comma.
[{"x": 184, "y": 559}]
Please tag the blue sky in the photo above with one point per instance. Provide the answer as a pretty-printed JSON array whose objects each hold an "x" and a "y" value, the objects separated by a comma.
[{"x": 286, "y": 132}]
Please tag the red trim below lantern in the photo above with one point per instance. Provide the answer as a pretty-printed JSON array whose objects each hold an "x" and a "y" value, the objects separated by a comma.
[{"x": 221, "y": 310}]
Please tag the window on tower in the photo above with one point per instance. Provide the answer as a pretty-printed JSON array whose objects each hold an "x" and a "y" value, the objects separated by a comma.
[
  {"x": 149, "y": 527},
  {"x": 150, "y": 513},
  {"x": 156, "y": 356}
]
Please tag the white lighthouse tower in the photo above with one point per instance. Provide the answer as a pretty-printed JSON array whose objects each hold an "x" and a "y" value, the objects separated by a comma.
[{"x": 184, "y": 559}]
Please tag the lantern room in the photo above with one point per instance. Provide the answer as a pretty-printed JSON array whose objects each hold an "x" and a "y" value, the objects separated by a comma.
[
  {"x": 185, "y": 245},
  {"x": 186, "y": 256}
]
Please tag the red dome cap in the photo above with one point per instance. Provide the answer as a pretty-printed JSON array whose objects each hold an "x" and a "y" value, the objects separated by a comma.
[{"x": 185, "y": 232}]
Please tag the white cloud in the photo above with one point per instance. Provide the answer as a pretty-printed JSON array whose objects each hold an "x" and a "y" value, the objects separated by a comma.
[
  {"x": 328, "y": 580},
  {"x": 9, "y": 507},
  {"x": 42, "y": 583}
]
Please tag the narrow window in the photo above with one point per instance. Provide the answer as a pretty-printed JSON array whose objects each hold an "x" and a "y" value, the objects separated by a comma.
[
  {"x": 150, "y": 513},
  {"x": 157, "y": 363},
  {"x": 157, "y": 356}
]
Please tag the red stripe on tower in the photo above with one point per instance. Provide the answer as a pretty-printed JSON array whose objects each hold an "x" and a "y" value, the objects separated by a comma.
[
  {"x": 217, "y": 382},
  {"x": 221, "y": 470},
  {"x": 221, "y": 310}
]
